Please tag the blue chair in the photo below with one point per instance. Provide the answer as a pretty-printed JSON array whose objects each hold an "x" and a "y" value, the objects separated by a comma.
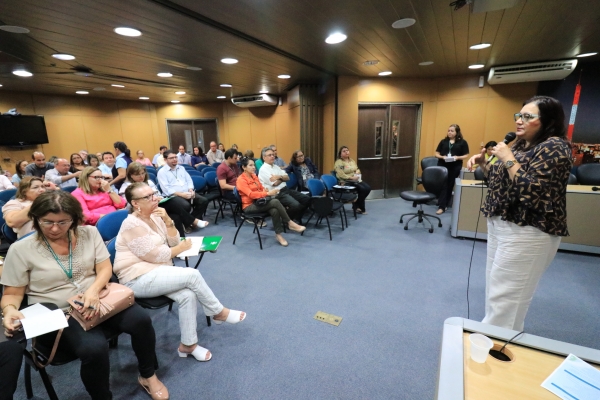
[
  {"x": 321, "y": 205},
  {"x": 7, "y": 194},
  {"x": 9, "y": 234},
  {"x": 152, "y": 177},
  {"x": 150, "y": 169},
  {"x": 199, "y": 183},
  {"x": 69, "y": 188},
  {"x": 215, "y": 165},
  {"x": 208, "y": 169},
  {"x": 213, "y": 192},
  {"x": 193, "y": 172},
  {"x": 201, "y": 167},
  {"x": 292, "y": 184},
  {"x": 109, "y": 225},
  {"x": 345, "y": 196},
  {"x": 256, "y": 218},
  {"x": 187, "y": 166}
]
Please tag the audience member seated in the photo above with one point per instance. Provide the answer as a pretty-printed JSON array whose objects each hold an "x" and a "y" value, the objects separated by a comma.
[
  {"x": 214, "y": 155},
  {"x": 122, "y": 161},
  {"x": 273, "y": 177},
  {"x": 60, "y": 174},
  {"x": 141, "y": 159},
  {"x": 250, "y": 189},
  {"x": 19, "y": 172},
  {"x": 177, "y": 184},
  {"x": 260, "y": 161},
  {"x": 77, "y": 164},
  {"x": 16, "y": 211},
  {"x": 61, "y": 260},
  {"x": 5, "y": 183},
  {"x": 84, "y": 156},
  {"x": 199, "y": 158},
  {"x": 227, "y": 174},
  {"x": 158, "y": 159},
  {"x": 136, "y": 172},
  {"x": 183, "y": 157},
  {"x": 472, "y": 164},
  {"x": 96, "y": 196},
  {"x": 235, "y": 147},
  {"x": 146, "y": 243},
  {"x": 303, "y": 168},
  {"x": 250, "y": 154},
  {"x": 108, "y": 168},
  {"x": 277, "y": 161},
  {"x": 93, "y": 160},
  {"x": 221, "y": 147},
  {"x": 347, "y": 172},
  {"x": 39, "y": 166},
  {"x": 99, "y": 155}
]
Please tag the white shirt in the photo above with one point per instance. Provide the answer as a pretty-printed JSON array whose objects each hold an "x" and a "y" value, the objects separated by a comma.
[
  {"x": 56, "y": 177},
  {"x": 5, "y": 183},
  {"x": 265, "y": 173}
]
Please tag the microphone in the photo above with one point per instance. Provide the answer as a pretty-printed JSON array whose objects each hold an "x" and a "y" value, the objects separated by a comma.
[
  {"x": 595, "y": 188},
  {"x": 510, "y": 136}
]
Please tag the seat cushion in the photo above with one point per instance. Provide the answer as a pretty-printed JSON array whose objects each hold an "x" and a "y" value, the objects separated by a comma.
[
  {"x": 419, "y": 197},
  {"x": 154, "y": 302}
]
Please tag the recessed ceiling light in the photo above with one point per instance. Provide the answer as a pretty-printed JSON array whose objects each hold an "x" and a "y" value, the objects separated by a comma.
[
  {"x": 225, "y": 85},
  {"x": 229, "y": 61},
  {"x": 175, "y": 101},
  {"x": 165, "y": 74},
  {"x": 264, "y": 91},
  {"x": 221, "y": 97},
  {"x": 337, "y": 37},
  {"x": 99, "y": 89},
  {"x": 180, "y": 92},
  {"x": 115, "y": 85},
  {"x": 371, "y": 62},
  {"x": 385, "y": 73},
  {"x": 194, "y": 68},
  {"x": 22, "y": 72},
  {"x": 586, "y": 55},
  {"x": 476, "y": 66},
  {"x": 480, "y": 46},
  {"x": 426, "y": 63},
  {"x": 14, "y": 29},
  {"x": 64, "y": 57},
  {"x": 144, "y": 98},
  {"x": 123, "y": 31},
  {"x": 82, "y": 92},
  {"x": 284, "y": 76},
  {"x": 0, "y": 85},
  {"x": 403, "y": 23}
]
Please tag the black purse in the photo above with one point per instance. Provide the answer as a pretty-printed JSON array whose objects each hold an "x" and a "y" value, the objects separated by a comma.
[{"x": 262, "y": 201}]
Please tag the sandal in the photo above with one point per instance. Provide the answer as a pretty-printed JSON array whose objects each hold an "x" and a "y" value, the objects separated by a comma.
[
  {"x": 199, "y": 353},
  {"x": 161, "y": 394},
  {"x": 232, "y": 318}
]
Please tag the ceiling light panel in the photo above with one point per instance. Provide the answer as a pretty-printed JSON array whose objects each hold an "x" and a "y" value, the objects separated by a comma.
[
  {"x": 82, "y": 92},
  {"x": 284, "y": 76},
  {"x": 586, "y": 55},
  {"x": 476, "y": 66},
  {"x": 125, "y": 31},
  {"x": 165, "y": 74},
  {"x": 225, "y": 85},
  {"x": 14, "y": 29},
  {"x": 403, "y": 23},
  {"x": 335, "y": 38},
  {"x": 229, "y": 61},
  {"x": 144, "y": 98},
  {"x": 180, "y": 92},
  {"x": 175, "y": 101},
  {"x": 64, "y": 57},
  {"x": 385, "y": 73},
  {"x": 221, "y": 97},
  {"x": 119, "y": 86},
  {"x": 480, "y": 46},
  {"x": 22, "y": 73}
]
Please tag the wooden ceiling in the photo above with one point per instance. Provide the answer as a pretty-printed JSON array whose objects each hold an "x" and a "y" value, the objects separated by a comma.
[{"x": 272, "y": 37}]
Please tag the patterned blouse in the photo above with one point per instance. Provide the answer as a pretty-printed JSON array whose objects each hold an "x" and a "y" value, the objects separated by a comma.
[{"x": 537, "y": 195}]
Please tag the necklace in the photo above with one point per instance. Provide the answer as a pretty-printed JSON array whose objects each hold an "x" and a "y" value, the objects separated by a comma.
[{"x": 68, "y": 272}]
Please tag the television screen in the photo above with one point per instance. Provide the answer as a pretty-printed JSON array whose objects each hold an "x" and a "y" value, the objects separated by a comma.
[{"x": 22, "y": 130}]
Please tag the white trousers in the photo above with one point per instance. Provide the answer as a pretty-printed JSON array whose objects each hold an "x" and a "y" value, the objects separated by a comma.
[
  {"x": 517, "y": 257},
  {"x": 187, "y": 287}
]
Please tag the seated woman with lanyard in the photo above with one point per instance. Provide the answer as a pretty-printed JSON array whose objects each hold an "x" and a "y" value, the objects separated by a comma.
[
  {"x": 250, "y": 189},
  {"x": 303, "y": 168},
  {"x": 347, "y": 173},
  {"x": 454, "y": 149},
  {"x": 146, "y": 243},
  {"x": 64, "y": 259},
  {"x": 96, "y": 196}
]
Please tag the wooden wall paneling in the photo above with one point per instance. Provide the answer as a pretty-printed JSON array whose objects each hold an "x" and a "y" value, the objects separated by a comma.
[
  {"x": 23, "y": 102},
  {"x": 134, "y": 109},
  {"x": 348, "y": 111},
  {"x": 384, "y": 90},
  {"x": 469, "y": 114},
  {"x": 56, "y": 105},
  {"x": 500, "y": 118},
  {"x": 94, "y": 107},
  {"x": 66, "y": 134},
  {"x": 329, "y": 149},
  {"x": 290, "y": 138},
  {"x": 239, "y": 132},
  {"x": 101, "y": 133},
  {"x": 429, "y": 138},
  {"x": 137, "y": 134},
  {"x": 262, "y": 130},
  {"x": 463, "y": 87}
]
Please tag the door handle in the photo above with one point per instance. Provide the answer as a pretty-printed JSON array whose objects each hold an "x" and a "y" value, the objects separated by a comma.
[
  {"x": 399, "y": 158},
  {"x": 372, "y": 158}
]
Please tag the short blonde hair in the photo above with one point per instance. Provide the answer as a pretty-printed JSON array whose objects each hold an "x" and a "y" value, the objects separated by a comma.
[{"x": 84, "y": 183}]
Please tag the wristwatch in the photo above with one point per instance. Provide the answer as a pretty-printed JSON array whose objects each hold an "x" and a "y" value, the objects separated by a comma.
[{"x": 509, "y": 164}]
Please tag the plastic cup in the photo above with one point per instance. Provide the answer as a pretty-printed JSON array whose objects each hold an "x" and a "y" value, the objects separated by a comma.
[{"x": 480, "y": 347}]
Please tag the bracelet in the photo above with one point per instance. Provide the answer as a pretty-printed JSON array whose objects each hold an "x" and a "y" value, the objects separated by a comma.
[
  {"x": 170, "y": 224},
  {"x": 16, "y": 308}
]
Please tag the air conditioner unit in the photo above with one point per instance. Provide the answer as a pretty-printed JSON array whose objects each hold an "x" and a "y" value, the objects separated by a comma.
[
  {"x": 256, "y": 100},
  {"x": 532, "y": 72}
]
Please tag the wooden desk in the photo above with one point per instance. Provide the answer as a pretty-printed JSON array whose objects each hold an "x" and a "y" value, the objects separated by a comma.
[
  {"x": 583, "y": 219},
  {"x": 535, "y": 358}
]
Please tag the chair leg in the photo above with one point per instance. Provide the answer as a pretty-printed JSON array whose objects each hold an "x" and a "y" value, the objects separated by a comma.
[
  {"x": 258, "y": 233},
  {"x": 329, "y": 227},
  {"x": 208, "y": 321},
  {"x": 342, "y": 219},
  {"x": 27, "y": 374},
  {"x": 170, "y": 306},
  {"x": 233, "y": 212},
  {"x": 238, "y": 230},
  {"x": 48, "y": 384}
]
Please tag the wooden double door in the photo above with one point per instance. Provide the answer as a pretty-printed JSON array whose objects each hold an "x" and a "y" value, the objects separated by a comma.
[
  {"x": 192, "y": 132},
  {"x": 387, "y": 147}
]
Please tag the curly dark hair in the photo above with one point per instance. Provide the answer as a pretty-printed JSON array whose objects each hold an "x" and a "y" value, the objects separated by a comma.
[{"x": 552, "y": 118}]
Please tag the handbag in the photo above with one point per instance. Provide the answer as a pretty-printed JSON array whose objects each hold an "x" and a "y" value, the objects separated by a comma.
[
  {"x": 262, "y": 201},
  {"x": 114, "y": 298}
]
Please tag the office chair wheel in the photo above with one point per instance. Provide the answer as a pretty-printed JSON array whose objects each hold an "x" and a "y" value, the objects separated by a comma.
[
  {"x": 430, "y": 230},
  {"x": 439, "y": 225},
  {"x": 400, "y": 220},
  {"x": 406, "y": 228}
]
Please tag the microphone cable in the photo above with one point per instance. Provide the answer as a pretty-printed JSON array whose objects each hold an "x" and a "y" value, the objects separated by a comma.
[{"x": 483, "y": 184}]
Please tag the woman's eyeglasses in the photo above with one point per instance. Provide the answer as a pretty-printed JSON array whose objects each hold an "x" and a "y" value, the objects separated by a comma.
[
  {"x": 97, "y": 177},
  {"x": 60, "y": 224},
  {"x": 525, "y": 117},
  {"x": 148, "y": 198}
]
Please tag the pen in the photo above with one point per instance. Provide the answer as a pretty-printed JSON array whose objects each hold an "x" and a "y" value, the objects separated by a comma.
[{"x": 81, "y": 304}]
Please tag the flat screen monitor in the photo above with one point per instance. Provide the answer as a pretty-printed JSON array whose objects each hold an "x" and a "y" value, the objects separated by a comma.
[{"x": 22, "y": 130}]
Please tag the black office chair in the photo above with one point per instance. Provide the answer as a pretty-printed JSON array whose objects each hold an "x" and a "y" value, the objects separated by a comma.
[
  {"x": 256, "y": 218},
  {"x": 588, "y": 174},
  {"x": 434, "y": 179},
  {"x": 479, "y": 176},
  {"x": 426, "y": 163},
  {"x": 572, "y": 180}
]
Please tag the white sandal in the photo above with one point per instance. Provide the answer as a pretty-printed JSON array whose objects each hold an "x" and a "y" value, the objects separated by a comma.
[
  {"x": 232, "y": 318},
  {"x": 202, "y": 224},
  {"x": 199, "y": 354}
]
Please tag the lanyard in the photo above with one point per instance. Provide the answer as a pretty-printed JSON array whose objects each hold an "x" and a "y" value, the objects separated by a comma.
[
  {"x": 68, "y": 272},
  {"x": 450, "y": 147},
  {"x": 174, "y": 173}
]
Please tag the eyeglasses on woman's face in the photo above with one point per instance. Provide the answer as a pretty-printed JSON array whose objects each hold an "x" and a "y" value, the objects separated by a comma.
[
  {"x": 139, "y": 174},
  {"x": 97, "y": 177},
  {"x": 526, "y": 117},
  {"x": 61, "y": 224},
  {"x": 147, "y": 198}
]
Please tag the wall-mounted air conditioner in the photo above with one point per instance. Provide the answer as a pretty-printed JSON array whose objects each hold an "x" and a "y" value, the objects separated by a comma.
[
  {"x": 531, "y": 72},
  {"x": 255, "y": 100}
]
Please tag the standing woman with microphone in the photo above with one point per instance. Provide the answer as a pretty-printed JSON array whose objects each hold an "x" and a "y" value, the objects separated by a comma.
[
  {"x": 526, "y": 209},
  {"x": 453, "y": 145}
]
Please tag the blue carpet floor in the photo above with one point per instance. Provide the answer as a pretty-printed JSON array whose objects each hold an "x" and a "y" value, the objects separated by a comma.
[{"x": 393, "y": 288}]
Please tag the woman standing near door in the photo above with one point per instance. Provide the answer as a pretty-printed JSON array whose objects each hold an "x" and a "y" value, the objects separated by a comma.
[{"x": 453, "y": 145}]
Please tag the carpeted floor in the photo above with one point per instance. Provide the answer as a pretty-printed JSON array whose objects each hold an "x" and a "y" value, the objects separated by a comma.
[{"x": 393, "y": 289}]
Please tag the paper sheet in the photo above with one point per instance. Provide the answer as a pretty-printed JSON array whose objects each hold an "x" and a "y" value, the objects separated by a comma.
[
  {"x": 39, "y": 320},
  {"x": 574, "y": 379},
  {"x": 196, "y": 247}
]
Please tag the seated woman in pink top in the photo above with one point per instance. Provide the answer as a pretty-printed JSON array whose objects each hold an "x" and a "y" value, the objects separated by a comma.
[
  {"x": 143, "y": 160},
  {"x": 96, "y": 196}
]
